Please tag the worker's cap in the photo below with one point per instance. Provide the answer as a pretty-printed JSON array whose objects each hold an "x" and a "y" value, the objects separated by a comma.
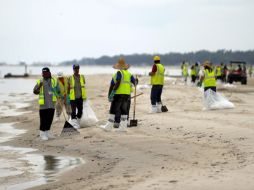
[
  {"x": 207, "y": 64},
  {"x": 156, "y": 58},
  {"x": 45, "y": 69},
  {"x": 59, "y": 74},
  {"x": 75, "y": 66}
]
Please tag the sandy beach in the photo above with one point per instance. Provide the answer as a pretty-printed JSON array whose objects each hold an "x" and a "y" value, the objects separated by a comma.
[{"x": 185, "y": 148}]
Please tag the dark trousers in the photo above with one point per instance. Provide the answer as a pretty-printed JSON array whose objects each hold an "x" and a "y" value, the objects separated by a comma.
[
  {"x": 120, "y": 106},
  {"x": 118, "y": 117},
  {"x": 219, "y": 78},
  {"x": 156, "y": 92},
  {"x": 212, "y": 88},
  {"x": 76, "y": 104},
  {"x": 46, "y": 118},
  {"x": 193, "y": 78}
]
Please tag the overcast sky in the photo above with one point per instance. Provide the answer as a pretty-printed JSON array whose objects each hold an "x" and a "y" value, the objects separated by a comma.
[{"x": 58, "y": 30}]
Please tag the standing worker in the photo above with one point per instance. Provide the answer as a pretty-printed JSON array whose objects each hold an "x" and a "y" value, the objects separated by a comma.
[
  {"x": 250, "y": 70},
  {"x": 62, "y": 81},
  {"x": 184, "y": 68},
  {"x": 197, "y": 67},
  {"x": 218, "y": 72},
  {"x": 119, "y": 96},
  {"x": 77, "y": 94},
  {"x": 157, "y": 82},
  {"x": 193, "y": 73},
  {"x": 47, "y": 89},
  {"x": 208, "y": 77}
]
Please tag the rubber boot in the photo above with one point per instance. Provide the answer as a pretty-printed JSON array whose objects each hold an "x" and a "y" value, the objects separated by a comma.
[
  {"x": 49, "y": 135},
  {"x": 123, "y": 124},
  {"x": 159, "y": 105},
  {"x": 116, "y": 125},
  {"x": 43, "y": 136},
  {"x": 153, "y": 109},
  {"x": 110, "y": 123},
  {"x": 78, "y": 121}
]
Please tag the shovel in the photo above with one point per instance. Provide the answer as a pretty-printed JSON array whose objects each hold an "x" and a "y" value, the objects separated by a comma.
[
  {"x": 134, "y": 122},
  {"x": 68, "y": 129},
  {"x": 164, "y": 108}
]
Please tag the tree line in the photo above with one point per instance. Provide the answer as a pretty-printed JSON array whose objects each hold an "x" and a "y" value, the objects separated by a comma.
[{"x": 217, "y": 57}]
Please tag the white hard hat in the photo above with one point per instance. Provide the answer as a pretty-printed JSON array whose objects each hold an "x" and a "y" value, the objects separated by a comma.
[{"x": 60, "y": 74}]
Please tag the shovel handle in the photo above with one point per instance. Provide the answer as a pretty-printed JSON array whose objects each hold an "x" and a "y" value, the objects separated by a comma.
[{"x": 135, "y": 95}]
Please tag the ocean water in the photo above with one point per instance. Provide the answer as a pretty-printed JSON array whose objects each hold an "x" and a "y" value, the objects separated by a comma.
[{"x": 86, "y": 70}]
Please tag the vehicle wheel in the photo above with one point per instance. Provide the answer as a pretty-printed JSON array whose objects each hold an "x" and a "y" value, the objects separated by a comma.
[{"x": 244, "y": 81}]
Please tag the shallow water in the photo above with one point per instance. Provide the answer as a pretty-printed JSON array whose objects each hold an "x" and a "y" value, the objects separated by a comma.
[{"x": 21, "y": 168}]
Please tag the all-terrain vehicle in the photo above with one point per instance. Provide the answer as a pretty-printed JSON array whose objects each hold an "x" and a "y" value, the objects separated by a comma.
[{"x": 237, "y": 72}]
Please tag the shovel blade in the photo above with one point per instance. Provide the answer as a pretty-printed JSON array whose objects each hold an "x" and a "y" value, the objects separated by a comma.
[
  {"x": 164, "y": 108},
  {"x": 69, "y": 130},
  {"x": 133, "y": 123}
]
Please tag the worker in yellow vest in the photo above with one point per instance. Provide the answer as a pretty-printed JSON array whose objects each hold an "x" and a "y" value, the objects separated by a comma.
[
  {"x": 119, "y": 96},
  {"x": 184, "y": 68},
  {"x": 250, "y": 69},
  {"x": 64, "y": 100},
  {"x": 157, "y": 82},
  {"x": 48, "y": 91},
  {"x": 77, "y": 94},
  {"x": 218, "y": 72},
  {"x": 208, "y": 77},
  {"x": 193, "y": 74}
]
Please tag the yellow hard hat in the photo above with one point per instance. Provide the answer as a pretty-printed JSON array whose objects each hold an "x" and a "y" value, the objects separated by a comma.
[{"x": 156, "y": 58}]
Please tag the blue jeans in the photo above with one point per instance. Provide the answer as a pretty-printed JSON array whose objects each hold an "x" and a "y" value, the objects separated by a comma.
[{"x": 156, "y": 92}]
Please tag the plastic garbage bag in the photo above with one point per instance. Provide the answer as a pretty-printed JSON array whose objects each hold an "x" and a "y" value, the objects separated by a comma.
[
  {"x": 214, "y": 100},
  {"x": 88, "y": 117}
]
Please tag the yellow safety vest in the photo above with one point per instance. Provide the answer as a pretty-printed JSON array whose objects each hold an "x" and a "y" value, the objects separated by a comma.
[
  {"x": 218, "y": 72},
  {"x": 185, "y": 71},
  {"x": 72, "y": 85},
  {"x": 193, "y": 72},
  {"x": 53, "y": 90},
  {"x": 63, "y": 86},
  {"x": 125, "y": 84},
  {"x": 209, "y": 80},
  {"x": 158, "y": 78}
]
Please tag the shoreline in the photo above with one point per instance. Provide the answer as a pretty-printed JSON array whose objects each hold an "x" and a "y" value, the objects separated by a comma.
[{"x": 185, "y": 148}]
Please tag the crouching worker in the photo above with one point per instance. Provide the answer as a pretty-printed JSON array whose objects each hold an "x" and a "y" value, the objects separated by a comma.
[
  {"x": 64, "y": 100},
  {"x": 47, "y": 89},
  {"x": 119, "y": 96}
]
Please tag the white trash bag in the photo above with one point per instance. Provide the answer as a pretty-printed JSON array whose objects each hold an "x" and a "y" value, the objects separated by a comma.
[
  {"x": 88, "y": 117},
  {"x": 214, "y": 100}
]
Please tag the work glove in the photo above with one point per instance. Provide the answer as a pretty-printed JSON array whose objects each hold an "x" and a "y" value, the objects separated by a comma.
[
  {"x": 111, "y": 96},
  {"x": 68, "y": 99}
]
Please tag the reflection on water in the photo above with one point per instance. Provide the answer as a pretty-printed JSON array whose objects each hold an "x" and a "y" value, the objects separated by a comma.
[
  {"x": 21, "y": 169},
  {"x": 51, "y": 162}
]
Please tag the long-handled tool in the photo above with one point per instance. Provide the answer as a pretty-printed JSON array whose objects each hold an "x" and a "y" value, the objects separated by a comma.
[
  {"x": 134, "y": 122},
  {"x": 137, "y": 95},
  {"x": 68, "y": 129}
]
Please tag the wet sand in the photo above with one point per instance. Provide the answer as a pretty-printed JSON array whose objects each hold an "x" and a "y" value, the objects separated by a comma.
[{"x": 185, "y": 148}]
